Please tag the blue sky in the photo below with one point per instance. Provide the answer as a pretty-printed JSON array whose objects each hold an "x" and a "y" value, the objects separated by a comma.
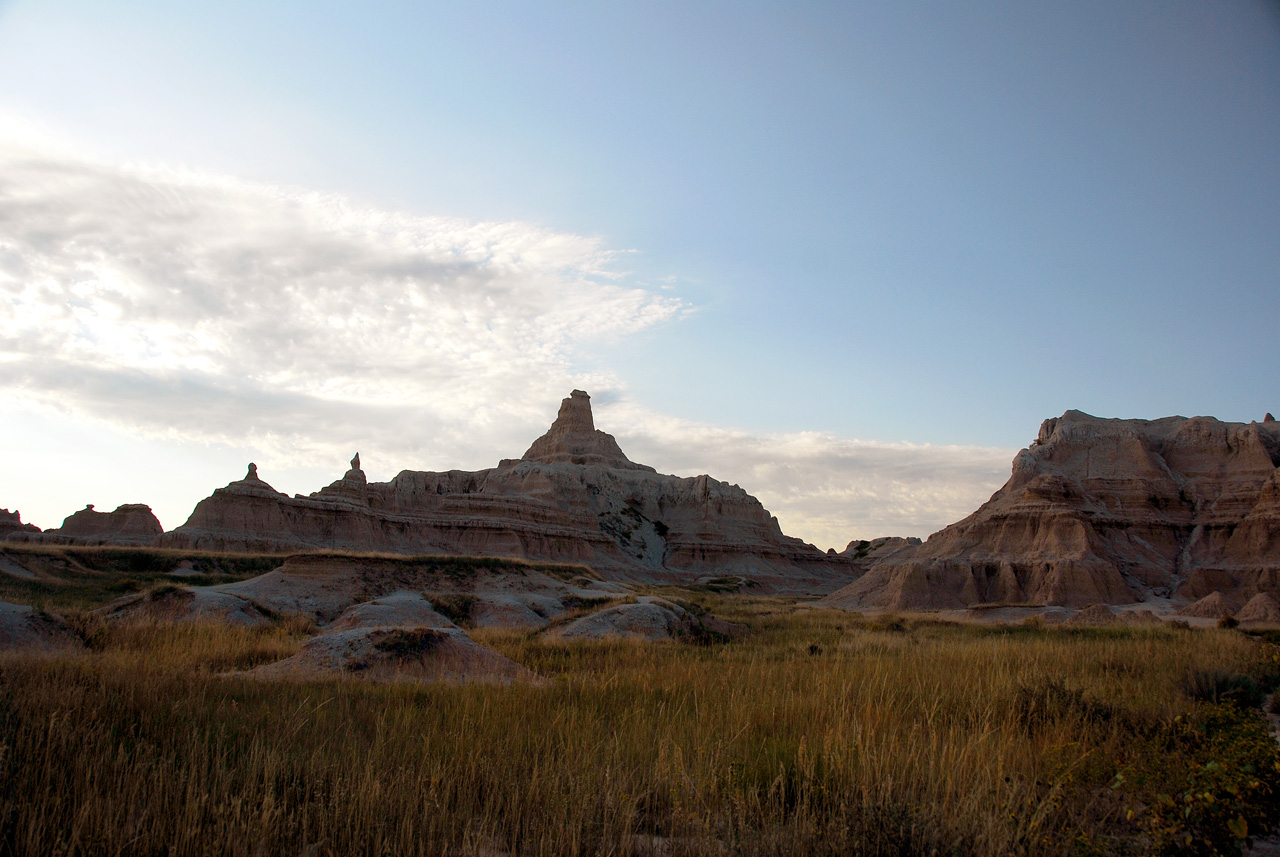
[{"x": 909, "y": 228}]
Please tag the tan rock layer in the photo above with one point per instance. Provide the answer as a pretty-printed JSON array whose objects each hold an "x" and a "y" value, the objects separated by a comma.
[
  {"x": 574, "y": 497},
  {"x": 1109, "y": 511}
]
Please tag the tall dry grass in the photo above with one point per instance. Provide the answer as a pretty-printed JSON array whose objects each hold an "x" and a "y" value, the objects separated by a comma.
[{"x": 820, "y": 734}]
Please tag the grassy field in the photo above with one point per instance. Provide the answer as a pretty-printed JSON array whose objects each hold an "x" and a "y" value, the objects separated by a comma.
[{"x": 821, "y": 733}]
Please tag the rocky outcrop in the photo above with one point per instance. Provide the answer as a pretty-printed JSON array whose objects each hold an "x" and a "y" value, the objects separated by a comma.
[
  {"x": 573, "y": 497},
  {"x": 130, "y": 524},
  {"x": 574, "y": 439},
  {"x": 11, "y": 524},
  {"x": 1107, "y": 511},
  {"x": 323, "y": 587},
  {"x": 877, "y": 549}
]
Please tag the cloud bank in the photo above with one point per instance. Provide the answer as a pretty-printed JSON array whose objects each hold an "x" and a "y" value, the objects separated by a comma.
[
  {"x": 824, "y": 489},
  {"x": 189, "y": 306}
]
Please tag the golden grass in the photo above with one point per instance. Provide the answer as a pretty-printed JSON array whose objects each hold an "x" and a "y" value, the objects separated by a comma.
[{"x": 820, "y": 734}]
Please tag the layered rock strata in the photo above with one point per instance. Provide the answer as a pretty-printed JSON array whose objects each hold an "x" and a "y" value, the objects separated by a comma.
[
  {"x": 573, "y": 497},
  {"x": 1108, "y": 511}
]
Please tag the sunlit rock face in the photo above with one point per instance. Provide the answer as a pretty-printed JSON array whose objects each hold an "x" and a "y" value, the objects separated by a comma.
[
  {"x": 574, "y": 496},
  {"x": 1105, "y": 510}
]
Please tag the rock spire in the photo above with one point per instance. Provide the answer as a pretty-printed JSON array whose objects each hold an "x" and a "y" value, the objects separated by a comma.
[{"x": 574, "y": 439}]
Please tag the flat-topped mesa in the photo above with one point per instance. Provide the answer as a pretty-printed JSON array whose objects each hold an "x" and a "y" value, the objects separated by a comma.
[
  {"x": 574, "y": 439},
  {"x": 129, "y": 524}
]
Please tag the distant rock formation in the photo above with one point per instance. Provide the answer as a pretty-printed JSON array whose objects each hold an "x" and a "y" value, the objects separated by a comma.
[
  {"x": 573, "y": 497},
  {"x": 130, "y": 524},
  {"x": 11, "y": 522},
  {"x": 1105, "y": 511}
]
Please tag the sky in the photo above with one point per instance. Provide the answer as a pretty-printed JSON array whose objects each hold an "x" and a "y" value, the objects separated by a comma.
[{"x": 845, "y": 255}]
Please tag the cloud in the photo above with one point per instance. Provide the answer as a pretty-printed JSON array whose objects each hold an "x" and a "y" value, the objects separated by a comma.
[
  {"x": 245, "y": 313},
  {"x": 824, "y": 489},
  {"x": 304, "y": 326}
]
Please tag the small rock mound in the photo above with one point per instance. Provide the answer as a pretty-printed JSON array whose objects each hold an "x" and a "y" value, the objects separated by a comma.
[
  {"x": 399, "y": 609},
  {"x": 1262, "y": 609},
  {"x": 22, "y": 628},
  {"x": 396, "y": 654},
  {"x": 190, "y": 604},
  {"x": 1215, "y": 605},
  {"x": 650, "y": 618},
  {"x": 1092, "y": 616}
]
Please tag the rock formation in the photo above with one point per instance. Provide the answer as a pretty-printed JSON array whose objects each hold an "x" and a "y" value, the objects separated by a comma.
[
  {"x": 1108, "y": 511},
  {"x": 573, "y": 497},
  {"x": 11, "y": 524},
  {"x": 130, "y": 524}
]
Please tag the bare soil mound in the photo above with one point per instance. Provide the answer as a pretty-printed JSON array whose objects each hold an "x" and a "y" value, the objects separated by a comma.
[
  {"x": 26, "y": 629},
  {"x": 396, "y": 654},
  {"x": 650, "y": 618},
  {"x": 190, "y": 604},
  {"x": 1262, "y": 609},
  {"x": 1215, "y": 605},
  {"x": 503, "y": 594},
  {"x": 399, "y": 609}
]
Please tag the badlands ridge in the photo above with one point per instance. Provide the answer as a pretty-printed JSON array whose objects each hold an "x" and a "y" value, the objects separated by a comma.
[{"x": 1171, "y": 514}]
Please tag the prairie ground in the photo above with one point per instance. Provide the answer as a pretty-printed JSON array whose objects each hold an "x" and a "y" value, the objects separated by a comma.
[{"x": 820, "y": 733}]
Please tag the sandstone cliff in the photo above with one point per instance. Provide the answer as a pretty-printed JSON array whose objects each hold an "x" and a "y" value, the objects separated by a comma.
[
  {"x": 574, "y": 496},
  {"x": 1109, "y": 511}
]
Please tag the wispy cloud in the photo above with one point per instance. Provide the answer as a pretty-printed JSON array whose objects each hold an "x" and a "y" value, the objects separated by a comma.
[
  {"x": 303, "y": 325},
  {"x": 198, "y": 304}
]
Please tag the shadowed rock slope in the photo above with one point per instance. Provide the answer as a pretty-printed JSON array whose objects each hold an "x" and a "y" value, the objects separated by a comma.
[
  {"x": 1105, "y": 511},
  {"x": 573, "y": 497},
  {"x": 130, "y": 524}
]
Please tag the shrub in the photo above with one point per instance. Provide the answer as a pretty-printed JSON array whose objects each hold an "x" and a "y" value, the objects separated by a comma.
[{"x": 1217, "y": 686}]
